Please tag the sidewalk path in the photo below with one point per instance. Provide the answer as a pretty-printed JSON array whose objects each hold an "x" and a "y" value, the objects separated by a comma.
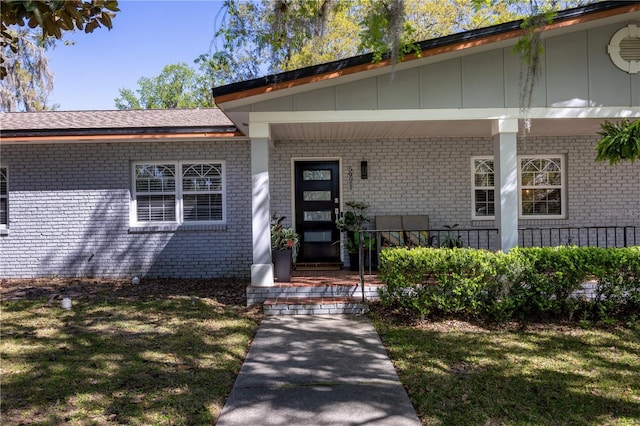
[{"x": 317, "y": 370}]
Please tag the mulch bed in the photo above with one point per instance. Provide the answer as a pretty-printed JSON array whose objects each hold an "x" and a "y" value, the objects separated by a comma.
[{"x": 225, "y": 291}]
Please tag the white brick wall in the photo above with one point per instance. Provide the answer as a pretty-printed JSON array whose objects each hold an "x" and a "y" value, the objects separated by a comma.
[
  {"x": 69, "y": 213},
  {"x": 69, "y": 203},
  {"x": 433, "y": 176}
]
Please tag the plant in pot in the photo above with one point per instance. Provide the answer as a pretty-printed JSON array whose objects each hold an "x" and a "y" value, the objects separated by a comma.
[
  {"x": 353, "y": 221},
  {"x": 284, "y": 248}
]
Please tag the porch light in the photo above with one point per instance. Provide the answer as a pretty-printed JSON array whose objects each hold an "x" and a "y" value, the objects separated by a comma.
[{"x": 364, "y": 170}]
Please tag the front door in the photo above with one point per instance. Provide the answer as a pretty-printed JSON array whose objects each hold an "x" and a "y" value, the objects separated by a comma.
[{"x": 317, "y": 189}]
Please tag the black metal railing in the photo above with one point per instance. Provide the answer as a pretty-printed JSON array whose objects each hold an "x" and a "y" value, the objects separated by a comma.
[
  {"x": 487, "y": 238},
  {"x": 480, "y": 238},
  {"x": 587, "y": 236}
]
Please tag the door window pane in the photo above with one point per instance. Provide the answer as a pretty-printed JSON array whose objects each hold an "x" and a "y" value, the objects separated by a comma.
[
  {"x": 317, "y": 236},
  {"x": 316, "y": 175},
  {"x": 317, "y": 216},
  {"x": 317, "y": 196}
]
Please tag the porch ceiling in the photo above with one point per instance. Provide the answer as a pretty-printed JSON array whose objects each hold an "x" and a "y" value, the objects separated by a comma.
[{"x": 424, "y": 129}]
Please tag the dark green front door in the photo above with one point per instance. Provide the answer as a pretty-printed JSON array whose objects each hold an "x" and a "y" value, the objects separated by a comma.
[{"x": 317, "y": 189}]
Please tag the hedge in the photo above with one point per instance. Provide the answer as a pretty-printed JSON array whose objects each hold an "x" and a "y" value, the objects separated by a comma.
[{"x": 524, "y": 283}]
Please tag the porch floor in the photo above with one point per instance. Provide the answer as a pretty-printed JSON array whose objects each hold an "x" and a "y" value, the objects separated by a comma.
[{"x": 341, "y": 277}]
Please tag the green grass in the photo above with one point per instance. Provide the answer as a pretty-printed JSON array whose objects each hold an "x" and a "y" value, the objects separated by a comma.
[
  {"x": 459, "y": 374},
  {"x": 169, "y": 359}
]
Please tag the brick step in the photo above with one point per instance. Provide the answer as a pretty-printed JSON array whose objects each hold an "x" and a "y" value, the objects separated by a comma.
[
  {"x": 313, "y": 306},
  {"x": 319, "y": 266},
  {"x": 257, "y": 295}
]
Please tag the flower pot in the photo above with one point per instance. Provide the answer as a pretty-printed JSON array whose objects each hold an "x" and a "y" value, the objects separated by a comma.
[
  {"x": 283, "y": 264},
  {"x": 354, "y": 262}
]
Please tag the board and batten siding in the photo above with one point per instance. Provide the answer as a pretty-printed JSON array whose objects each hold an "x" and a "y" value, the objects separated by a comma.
[{"x": 576, "y": 72}]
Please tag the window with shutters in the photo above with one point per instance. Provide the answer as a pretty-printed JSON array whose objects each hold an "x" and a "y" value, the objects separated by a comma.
[{"x": 176, "y": 192}]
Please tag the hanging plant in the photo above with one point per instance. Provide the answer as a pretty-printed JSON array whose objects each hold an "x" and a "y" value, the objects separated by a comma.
[
  {"x": 620, "y": 141},
  {"x": 530, "y": 48}
]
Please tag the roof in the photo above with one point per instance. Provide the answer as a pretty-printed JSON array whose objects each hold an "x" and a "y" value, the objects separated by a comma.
[
  {"x": 120, "y": 122},
  {"x": 363, "y": 62}
]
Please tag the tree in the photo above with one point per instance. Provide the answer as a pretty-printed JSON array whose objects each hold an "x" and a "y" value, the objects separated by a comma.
[
  {"x": 28, "y": 81},
  {"x": 25, "y": 79},
  {"x": 177, "y": 86},
  {"x": 53, "y": 17},
  {"x": 272, "y": 36}
]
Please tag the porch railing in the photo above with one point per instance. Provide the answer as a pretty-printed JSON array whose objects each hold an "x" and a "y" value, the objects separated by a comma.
[
  {"x": 587, "y": 236},
  {"x": 487, "y": 238}
]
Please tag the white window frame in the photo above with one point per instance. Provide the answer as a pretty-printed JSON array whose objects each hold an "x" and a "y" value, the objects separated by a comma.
[
  {"x": 562, "y": 186},
  {"x": 474, "y": 215},
  {"x": 5, "y": 196},
  {"x": 179, "y": 193}
]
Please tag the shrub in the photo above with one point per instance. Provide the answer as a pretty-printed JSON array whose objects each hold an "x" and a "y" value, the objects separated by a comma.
[{"x": 522, "y": 283}]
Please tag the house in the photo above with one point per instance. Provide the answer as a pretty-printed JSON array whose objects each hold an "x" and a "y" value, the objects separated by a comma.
[
  {"x": 163, "y": 193},
  {"x": 191, "y": 193}
]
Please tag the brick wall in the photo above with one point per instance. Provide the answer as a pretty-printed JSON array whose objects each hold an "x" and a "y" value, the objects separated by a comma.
[
  {"x": 69, "y": 213},
  {"x": 69, "y": 203},
  {"x": 433, "y": 176}
]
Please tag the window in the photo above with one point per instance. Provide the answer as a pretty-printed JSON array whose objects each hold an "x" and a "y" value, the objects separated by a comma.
[
  {"x": 542, "y": 187},
  {"x": 483, "y": 197},
  {"x": 178, "y": 192},
  {"x": 541, "y": 184},
  {"x": 4, "y": 200}
]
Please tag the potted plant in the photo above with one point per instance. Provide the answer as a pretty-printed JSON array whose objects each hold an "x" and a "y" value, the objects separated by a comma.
[
  {"x": 352, "y": 222},
  {"x": 284, "y": 248}
]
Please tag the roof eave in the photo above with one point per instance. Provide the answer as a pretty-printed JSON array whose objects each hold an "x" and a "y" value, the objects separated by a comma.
[{"x": 116, "y": 132}]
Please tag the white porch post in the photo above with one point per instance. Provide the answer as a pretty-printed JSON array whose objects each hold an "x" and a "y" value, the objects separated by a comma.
[
  {"x": 506, "y": 180},
  {"x": 262, "y": 268}
]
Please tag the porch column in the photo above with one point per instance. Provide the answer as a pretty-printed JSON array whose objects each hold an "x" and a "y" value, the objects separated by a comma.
[
  {"x": 505, "y": 159},
  {"x": 262, "y": 268}
]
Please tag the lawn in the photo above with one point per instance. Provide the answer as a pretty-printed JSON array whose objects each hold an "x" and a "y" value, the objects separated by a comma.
[
  {"x": 167, "y": 352},
  {"x": 458, "y": 373},
  {"x": 157, "y": 353}
]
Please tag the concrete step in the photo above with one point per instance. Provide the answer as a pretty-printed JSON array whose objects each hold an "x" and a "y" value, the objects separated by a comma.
[{"x": 301, "y": 305}]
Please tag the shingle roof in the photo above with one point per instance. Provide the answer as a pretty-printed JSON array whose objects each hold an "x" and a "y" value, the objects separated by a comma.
[{"x": 121, "y": 121}]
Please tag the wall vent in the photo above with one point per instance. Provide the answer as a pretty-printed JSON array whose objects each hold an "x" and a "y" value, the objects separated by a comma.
[{"x": 624, "y": 49}]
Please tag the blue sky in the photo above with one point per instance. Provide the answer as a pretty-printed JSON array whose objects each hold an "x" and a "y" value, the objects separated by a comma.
[{"x": 146, "y": 36}]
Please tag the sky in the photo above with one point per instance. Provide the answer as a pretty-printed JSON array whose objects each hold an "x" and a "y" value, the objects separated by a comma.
[{"x": 146, "y": 36}]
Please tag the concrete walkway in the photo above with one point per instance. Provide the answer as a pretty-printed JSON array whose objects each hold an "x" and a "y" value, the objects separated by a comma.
[{"x": 317, "y": 370}]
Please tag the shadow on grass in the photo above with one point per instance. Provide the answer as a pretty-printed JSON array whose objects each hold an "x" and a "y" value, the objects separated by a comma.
[
  {"x": 115, "y": 360},
  {"x": 557, "y": 375}
]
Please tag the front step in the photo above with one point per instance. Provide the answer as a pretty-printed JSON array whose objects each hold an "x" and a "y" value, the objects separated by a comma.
[
  {"x": 297, "y": 305},
  {"x": 318, "y": 266}
]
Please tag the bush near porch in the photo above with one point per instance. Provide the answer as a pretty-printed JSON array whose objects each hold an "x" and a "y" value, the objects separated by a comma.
[{"x": 574, "y": 282}]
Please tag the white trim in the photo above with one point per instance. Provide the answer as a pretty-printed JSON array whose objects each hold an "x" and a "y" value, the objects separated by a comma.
[
  {"x": 630, "y": 31},
  {"x": 563, "y": 187},
  {"x": 178, "y": 193},
  {"x": 404, "y": 115},
  {"x": 474, "y": 216}
]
